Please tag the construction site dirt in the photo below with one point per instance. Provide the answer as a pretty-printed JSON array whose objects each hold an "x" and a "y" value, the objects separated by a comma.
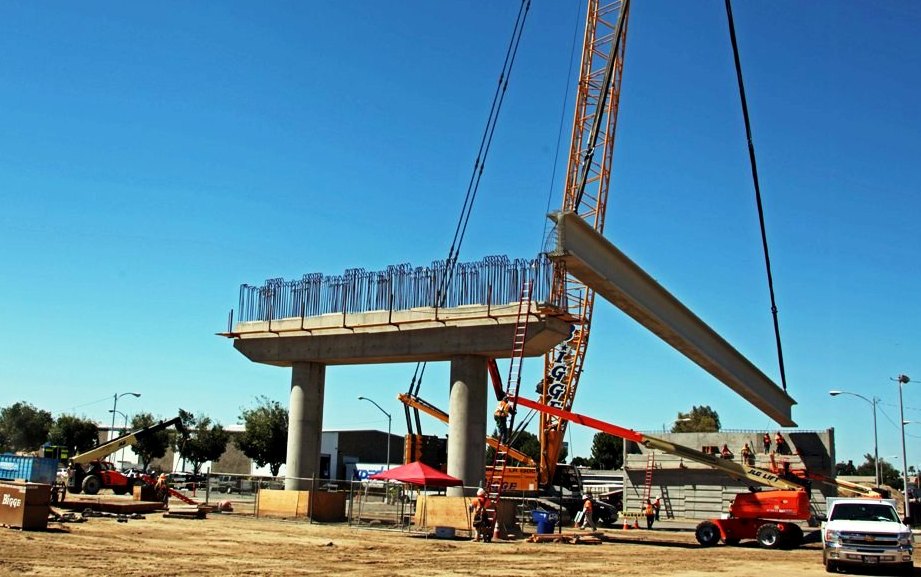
[{"x": 232, "y": 544}]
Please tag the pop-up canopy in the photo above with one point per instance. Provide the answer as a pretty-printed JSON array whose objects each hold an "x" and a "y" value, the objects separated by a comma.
[{"x": 418, "y": 473}]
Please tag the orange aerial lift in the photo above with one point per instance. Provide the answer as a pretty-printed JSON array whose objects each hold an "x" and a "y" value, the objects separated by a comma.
[{"x": 770, "y": 516}]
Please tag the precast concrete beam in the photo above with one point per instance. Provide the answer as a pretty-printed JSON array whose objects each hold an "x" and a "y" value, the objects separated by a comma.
[
  {"x": 486, "y": 338},
  {"x": 467, "y": 427},
  {"x": 595, "y": 261},
  {"x": 305, "y": 425}
]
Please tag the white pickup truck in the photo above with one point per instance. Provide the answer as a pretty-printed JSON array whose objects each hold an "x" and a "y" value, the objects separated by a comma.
[{"x": 865, "y": 532}]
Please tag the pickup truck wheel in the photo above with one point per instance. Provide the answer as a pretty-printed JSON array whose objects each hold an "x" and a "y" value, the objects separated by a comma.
[
  {"x": 91, "y": 484},
  {"x": 831, "y": 567},
  {"x": 707, "y": 533},
  {"x": 769, "y": 536}
]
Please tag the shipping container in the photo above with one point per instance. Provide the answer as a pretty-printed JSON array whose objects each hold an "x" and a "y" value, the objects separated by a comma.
[{"x": 25, "y": 468}]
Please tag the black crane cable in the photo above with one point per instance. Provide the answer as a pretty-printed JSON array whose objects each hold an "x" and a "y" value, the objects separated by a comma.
[
  {"x": 478, "y": 166},
  {"x": 751, "y": 155},
  {"x": 485, "y": 142}
]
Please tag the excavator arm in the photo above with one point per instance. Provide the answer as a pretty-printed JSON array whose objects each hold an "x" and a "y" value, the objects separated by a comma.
[
  {"x": 731, "y": 468},
  {"x": 110, "y": 447}
]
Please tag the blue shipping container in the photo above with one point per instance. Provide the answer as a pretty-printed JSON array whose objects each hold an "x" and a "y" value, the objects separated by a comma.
[{"x": 32, "y": 469}]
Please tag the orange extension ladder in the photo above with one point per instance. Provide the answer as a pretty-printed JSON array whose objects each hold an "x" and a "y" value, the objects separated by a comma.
[{"x": 494, "y": 484}]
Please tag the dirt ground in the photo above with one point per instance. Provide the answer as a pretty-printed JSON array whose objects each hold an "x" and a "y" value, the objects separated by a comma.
[{"x": 233, "y": 544}]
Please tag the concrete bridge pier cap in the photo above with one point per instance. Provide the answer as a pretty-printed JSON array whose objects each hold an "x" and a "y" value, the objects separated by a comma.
[{"x": 467, "y": 427}]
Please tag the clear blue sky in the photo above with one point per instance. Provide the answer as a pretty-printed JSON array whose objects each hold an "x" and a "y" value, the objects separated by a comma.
[{"x": 152, "y": 159}]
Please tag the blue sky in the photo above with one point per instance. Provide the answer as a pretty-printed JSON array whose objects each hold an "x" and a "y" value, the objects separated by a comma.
[{"x": 155, "y": 158}]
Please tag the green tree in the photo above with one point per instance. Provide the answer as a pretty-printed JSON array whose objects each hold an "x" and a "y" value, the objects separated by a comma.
[
  {"x": 847, "y": 469},
  {"x": 607, "y": 451},
  {"x": 701, "y": 419},
  {"x": 581, "y": 462},
  {"x": 152, "y": 446},
  {"x": 206, "y": 440},
  {"x": 76, "y": 433},
  {"x": 265, "y": 438},
  {"x": 888, "y": 474},
  {"x": 23, "y": 427}
]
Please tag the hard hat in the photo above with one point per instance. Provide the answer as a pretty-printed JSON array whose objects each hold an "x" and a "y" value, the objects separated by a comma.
[{"x": 480, "y": 492}]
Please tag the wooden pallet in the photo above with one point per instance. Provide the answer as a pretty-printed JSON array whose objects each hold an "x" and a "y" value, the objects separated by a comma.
[{"x": 569, "y": 538}]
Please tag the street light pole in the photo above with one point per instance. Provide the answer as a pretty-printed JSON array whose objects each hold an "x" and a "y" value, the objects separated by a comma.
[
  {"x": 903, "y": 379},
  {"x": 122, "y": 452},
  {"x": 388, "y": 426},
  {"x": 115, "y": 406},
  {"x": 874, "y": 402}
]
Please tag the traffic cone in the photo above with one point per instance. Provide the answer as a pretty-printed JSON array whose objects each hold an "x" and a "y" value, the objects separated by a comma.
[
  {"x": 495, "y": 532},
  {"x": 626, "y": 525},
  {"x": 636, "y": 524}
]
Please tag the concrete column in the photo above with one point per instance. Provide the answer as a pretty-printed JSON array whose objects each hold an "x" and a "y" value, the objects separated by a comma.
[
  {"x": 467, "y": 427},
  {"x": 305, "y": 424}
]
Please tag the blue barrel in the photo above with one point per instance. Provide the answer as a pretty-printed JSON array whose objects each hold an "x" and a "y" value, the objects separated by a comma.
[{"x": 545, "y": 520}]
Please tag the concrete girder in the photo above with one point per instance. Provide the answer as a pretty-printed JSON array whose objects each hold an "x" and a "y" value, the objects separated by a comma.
[{"x": 595, "y": 261}]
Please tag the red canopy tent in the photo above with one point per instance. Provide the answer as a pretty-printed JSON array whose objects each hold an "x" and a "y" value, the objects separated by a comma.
[{"x": 418, "y": 473}]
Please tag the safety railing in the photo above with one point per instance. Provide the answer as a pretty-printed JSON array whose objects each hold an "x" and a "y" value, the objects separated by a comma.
[{"x": 493, "y": 280}]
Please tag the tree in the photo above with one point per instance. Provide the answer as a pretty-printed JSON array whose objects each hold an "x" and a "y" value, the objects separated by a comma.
[
  {"x": 847, "y": 469},
  {"x": 265, "y": 438},
  {"x": 581, "y": 462},
  {"x": 206, "y": 441},
  {"x": 23, "y": 427},
  {"x": 607, "y": 451},
  {"x": 701, "y": 419},
  {"x": 152, "y": 446},
  {"x": 75, "y": 433}
]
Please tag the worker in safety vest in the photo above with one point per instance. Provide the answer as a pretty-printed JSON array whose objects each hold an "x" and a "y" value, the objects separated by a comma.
[
  {"x": 766, "y": 439},
  {"x": 586, "y": 515},
  {"x": 481, "y": 519},
  {"x": 503, "y": 410},
  {"x": 780, "y": 445},
  {"x": 746, "y": 454},
  {"x": 161, "y": 487},
  {"x": 650, "y": 511}
]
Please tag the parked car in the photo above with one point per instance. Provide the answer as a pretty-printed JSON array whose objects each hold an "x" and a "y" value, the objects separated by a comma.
[{"x": 187, "y": 481}]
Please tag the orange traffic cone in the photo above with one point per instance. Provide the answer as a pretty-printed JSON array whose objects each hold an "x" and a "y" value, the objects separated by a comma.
[
  {"x": 495, "y": 532},
  {"x": 626, "y": 526},
  {"x": 636, "y": 524}
]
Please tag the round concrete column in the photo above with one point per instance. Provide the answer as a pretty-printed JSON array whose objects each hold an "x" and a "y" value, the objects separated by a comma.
[
  {"x": 305, "y": 424},
  {"x": 467, "y": 427}
]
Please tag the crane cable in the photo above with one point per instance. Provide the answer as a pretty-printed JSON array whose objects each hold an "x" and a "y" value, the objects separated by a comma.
[
  {"x": 751, "y": 155},
  {"x": 478, "y": 166},
  {"x": 485, "y": 142}
]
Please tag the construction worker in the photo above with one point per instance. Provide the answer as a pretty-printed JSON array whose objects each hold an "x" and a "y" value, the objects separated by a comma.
[
  {"x": 503, "y": 410},
  {"x": 161, "y": 488},
  {"x": 780, "y": 445},
  {"x": 766, "y": 440},
  {"x": 481, "y": 524},
  {"x": 588, "y": 517},
  {"x": 657, "y": 506},
  {"x": 725, "y": 452},
  {"x": 746, "y": 454},
  {"x": 650, "y": 511}
]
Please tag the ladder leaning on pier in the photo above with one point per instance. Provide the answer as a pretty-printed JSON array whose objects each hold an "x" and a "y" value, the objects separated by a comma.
[{"x": 495, "y": 478}]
